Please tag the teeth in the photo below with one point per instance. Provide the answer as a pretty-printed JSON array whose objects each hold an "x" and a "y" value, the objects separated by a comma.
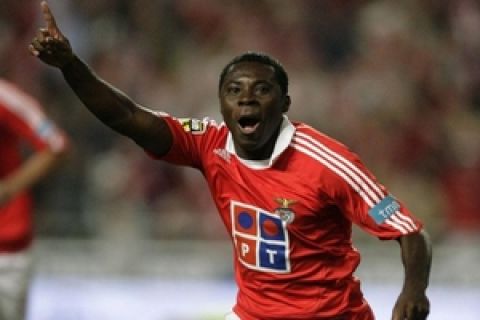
[
  {"x": 244, "y": 122},
  {"x": 248, "y": 128}
]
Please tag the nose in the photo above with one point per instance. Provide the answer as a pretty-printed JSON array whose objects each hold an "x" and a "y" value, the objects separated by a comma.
[{"x": 247, "y": 98}]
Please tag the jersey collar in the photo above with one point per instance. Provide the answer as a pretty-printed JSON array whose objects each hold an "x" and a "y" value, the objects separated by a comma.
[{"x": 287, "y": 130}]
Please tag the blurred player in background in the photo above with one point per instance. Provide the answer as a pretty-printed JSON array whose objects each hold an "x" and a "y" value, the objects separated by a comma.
[
  {"x": 287, "y": 194},
  {"x": 23, "y": 123}
]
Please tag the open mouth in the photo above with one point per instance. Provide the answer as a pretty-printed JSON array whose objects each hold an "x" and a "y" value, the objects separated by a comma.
[{"x": 248, "y": 124}]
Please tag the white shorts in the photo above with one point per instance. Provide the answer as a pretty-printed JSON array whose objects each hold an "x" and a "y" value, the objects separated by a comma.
[
  {"x": 232, "y": 316},
  {"x": 15, "y": 276}
]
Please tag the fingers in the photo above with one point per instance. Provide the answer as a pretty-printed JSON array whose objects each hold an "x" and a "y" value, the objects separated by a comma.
[
  {"x": 36, "y": 47},
  {"x": 32, "y": 50},
  {"x": 42, "y": 38},
  {"x": 43, "y": 35},
  {"x": 397, "y": 316},
  {"x": 50, "y": 20},
  {"x": 49, "y": 44},
  {"x": 416, "y": 314},
  {"x": 410, "y": 313}
]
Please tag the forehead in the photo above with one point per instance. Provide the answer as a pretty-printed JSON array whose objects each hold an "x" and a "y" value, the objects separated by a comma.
[{"x": 250, "y": 70}]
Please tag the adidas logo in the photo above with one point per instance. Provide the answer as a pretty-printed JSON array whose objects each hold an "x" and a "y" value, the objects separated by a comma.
[{"x": 222, "y": 153}]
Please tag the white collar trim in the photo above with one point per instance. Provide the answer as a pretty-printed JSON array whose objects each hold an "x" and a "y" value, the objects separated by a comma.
[{"x": 287, "y": 130}]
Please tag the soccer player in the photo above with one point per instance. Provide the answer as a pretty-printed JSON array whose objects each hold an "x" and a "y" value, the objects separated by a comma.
[
  {"x": 287, "y": 194},
  {"x": 22, "y": 121}
]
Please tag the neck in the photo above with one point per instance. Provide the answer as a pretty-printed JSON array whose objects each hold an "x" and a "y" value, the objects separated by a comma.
[{"x": 263, "y": 152}]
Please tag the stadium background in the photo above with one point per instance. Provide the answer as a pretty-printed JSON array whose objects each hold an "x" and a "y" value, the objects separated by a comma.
[{"x": 120, "y": 236}]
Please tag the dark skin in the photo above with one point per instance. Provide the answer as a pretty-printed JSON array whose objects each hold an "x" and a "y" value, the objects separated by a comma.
[{"x": 252, "y": 105}]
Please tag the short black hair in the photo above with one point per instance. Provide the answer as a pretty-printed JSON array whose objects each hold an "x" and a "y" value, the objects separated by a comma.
[{"x": 250, "y": 56}]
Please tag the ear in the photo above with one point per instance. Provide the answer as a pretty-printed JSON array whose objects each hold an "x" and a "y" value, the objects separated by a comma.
[{"x": 286, "y": 104}]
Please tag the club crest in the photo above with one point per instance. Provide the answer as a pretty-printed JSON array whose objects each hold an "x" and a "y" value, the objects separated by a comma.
[{"x": 284, "y": 211}]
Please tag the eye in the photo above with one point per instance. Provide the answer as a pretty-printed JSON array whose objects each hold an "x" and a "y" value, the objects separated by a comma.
[
  {"x": 232, "y": 90},
  {"x": 263, "y": 89}
]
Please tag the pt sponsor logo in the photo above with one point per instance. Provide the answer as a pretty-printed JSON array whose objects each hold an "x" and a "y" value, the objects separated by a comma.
[{"x": 261, "y": 238}]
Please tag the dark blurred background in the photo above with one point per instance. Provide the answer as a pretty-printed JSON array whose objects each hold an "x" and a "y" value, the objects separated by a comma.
[{"x": 397, "y": 81}]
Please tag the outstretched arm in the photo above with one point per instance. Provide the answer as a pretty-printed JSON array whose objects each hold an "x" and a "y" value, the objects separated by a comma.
[
  {"x": 107, "y": 103},
  {"x": 413, "y": 304}
]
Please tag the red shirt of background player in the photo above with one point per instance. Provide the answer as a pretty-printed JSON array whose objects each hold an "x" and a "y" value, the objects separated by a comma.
[{"x": 22, "y": 121}]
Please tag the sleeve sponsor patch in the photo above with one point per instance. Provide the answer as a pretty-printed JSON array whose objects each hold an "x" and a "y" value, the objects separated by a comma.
[
  {"x": 45, "y": 129},
  {"x": 384, "y": 209},
  {"x": 194, "y": 126}
]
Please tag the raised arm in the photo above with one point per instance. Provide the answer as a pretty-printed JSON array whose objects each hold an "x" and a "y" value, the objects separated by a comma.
[
  {"x": 108, "y": 104},
  {"x": 413, "y": 304}
]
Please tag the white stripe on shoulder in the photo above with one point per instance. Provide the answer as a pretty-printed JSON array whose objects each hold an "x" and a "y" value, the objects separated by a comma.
[
  {"x": 397, "y": 226},
  {"x": 367, "y": 189},
  {"x": 340, "y": 158},
  {"x": 304, "y": 126},
  {"x": 339, "y": 172},
  {"x": 408, "y": 221},
  {"x": 398, "y": 221},
  {"x": 22, "y": 105},
  {"x": 356, "y": 178}
]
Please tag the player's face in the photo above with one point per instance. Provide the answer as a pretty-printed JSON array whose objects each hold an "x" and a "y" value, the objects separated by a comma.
[{"x": 252, "y": 105}]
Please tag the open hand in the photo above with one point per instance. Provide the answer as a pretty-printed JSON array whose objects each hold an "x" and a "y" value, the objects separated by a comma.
[{"x": 50, "y": 45}]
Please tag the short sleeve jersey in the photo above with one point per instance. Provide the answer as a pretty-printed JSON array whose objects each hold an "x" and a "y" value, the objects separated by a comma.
[
  {"x": 22, "y": 123},
  {"x": 290, "y": 217}
]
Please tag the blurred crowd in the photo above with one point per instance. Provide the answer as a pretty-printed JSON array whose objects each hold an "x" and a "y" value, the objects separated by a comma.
[{"x": 397, "y": 81}]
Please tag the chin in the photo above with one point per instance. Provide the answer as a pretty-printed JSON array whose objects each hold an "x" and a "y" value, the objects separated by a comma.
[{"x": 248, "y": 145}]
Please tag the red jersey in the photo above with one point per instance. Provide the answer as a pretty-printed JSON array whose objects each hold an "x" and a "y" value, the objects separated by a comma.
[
  {"x": 21, "y": 121},
  {"x": 290, "y": 218}
]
